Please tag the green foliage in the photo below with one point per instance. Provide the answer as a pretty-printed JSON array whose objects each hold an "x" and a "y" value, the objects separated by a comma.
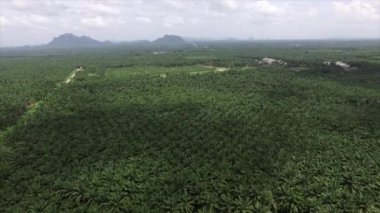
[
  {"x": 23, "y": 82},
  {"x": 166, "y": 133}
]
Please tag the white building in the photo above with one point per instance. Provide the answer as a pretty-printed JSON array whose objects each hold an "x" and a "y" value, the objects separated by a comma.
[
  {"x": 271, "y": 61},
  {"x": 342, "y": 65}
]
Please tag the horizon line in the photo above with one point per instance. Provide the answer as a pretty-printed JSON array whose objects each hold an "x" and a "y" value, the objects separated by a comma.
[{"x": 195, "y": 39}]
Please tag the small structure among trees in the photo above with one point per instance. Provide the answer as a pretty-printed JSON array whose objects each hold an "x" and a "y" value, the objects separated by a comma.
[
  {"x": 340, "y": 64},
  {"x": 79, "y": 68},
  {"x": 271, "y": 61},
  {"x": 328, "y": 63}
]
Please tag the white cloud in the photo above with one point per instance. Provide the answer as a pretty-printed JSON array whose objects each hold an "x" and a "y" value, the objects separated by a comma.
[
  {"x": 268, "y": 8},
  {"x": 38, "y": 19},
  {"x": 216, "y": 13},
  {"x": 103, "y": 9},
  {"x": 195, "y": 21},
  {"x": 171, "y": 21},
  {"x": 230, "y": 4},
  {"x": 175, "y": 3},
  {"x": 266, "y": 13},
  {"x": 358, "y": 9},
  {"x": 312, "y": 12},
  {"x": 128, "y": 19},
  {"x": 94, "y": 22},
  {"x": 3, "y": 21},
  {"x": 144, "y": 19},
  {"x": 40, "y": 7},
  {"x": 21, "y": 4}
]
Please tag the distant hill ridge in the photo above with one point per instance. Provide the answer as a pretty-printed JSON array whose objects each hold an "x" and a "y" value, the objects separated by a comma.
[{"x": 71, "y": 40}]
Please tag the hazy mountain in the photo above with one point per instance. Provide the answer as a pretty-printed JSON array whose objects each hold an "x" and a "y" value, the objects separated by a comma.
[
  {"x": 170, "y": 39},
  {"x": 134, "y": 42},
  {"x": 71, "y": 40}
]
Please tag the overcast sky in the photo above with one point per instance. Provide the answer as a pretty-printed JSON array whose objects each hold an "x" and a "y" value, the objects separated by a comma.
[{"x": 28, "y": 22}]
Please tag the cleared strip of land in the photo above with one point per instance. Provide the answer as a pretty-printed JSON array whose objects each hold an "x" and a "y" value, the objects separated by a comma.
[{"x": 33, "y": 109}]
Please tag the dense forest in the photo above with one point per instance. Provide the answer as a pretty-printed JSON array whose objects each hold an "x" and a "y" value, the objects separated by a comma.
[{"x": 207, "y": 129}]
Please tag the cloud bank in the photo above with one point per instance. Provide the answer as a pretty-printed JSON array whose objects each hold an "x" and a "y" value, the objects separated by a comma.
[{"x": 37, "y": 21}]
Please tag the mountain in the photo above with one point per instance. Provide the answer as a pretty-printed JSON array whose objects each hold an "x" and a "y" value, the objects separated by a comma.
[
  {"x": 71, "y": 40},
  {"x": 170, "y": 39}
]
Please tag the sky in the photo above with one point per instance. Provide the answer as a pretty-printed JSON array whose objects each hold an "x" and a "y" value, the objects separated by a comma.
[{"x": 31, "y": 22}]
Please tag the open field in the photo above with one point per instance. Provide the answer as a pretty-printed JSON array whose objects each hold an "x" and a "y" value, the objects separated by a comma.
[{"x": 191, "y": 130}]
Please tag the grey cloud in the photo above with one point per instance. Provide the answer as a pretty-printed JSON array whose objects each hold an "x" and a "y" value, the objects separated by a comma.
[{"x": 40, "y": 7}]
